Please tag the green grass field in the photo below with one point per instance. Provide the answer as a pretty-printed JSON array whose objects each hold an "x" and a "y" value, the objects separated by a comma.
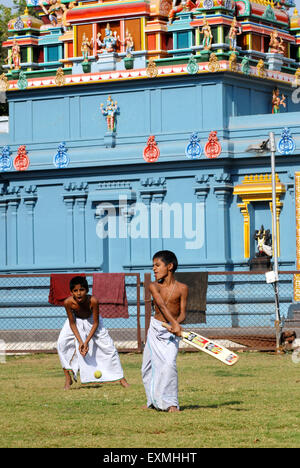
[{"x": 253, "y": 404}]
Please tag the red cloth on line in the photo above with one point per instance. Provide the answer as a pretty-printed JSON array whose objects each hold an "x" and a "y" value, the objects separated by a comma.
[
  {"x": 60, "y": 287},
  {"x": 109, "y": 289}
]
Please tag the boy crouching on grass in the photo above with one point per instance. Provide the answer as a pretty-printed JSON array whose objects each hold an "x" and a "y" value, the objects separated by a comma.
[
  {"x": 159, "y": 370},
  {"x": 83, "y": 343}
]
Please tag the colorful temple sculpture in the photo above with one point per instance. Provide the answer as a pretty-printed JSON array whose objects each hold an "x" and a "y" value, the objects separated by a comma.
[
  {"x": 142, "y": 125},
  {"x": 68, "y": 34}
]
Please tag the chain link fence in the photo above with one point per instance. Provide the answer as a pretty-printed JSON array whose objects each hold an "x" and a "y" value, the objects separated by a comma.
[
  {"x": 240, "y": 312},
  {"x": 28, "y": 323}
]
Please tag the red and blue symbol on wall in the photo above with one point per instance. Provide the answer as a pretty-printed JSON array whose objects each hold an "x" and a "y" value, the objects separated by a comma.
[
  {"x": 212, "y": 148},
  {"x": 5, "y": 159},
  {"x": 151, "y": 151},
  {"x": 21, "y": 161}
]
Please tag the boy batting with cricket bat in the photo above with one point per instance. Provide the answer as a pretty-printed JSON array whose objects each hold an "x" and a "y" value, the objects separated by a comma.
[{"x": 159, "y": 370}]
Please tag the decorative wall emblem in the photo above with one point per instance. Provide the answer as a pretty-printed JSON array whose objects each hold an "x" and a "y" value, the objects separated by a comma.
[
  {"x": 192, "y": 66},
  {"x": 19, "y": 24},
  {"x": 213, "y": 64},
  {"x": 194, "y": 148},
  {"x": 61, "y": 159},
  {"x": 245, "y": 65},
  {"x": 212, "y": 148},
  {"x": 60, "y": 77},
  {"x": 5, "y": 159},
  {"x": 228, "y": 4},
  {"x": 233, "y": 65},
  {"x": 151, "y": 151},
  {"x": 151, "y": 70},
  {"x": 21, "y": 161},
  {"x": 208, "y": 4},
  {"x": 22, "y": 81},
  {"x": 260, "y": 68},
  {"x": 297, "y": 78},
  {"x": 4, "y": 85},
  {"x": 286, "y": 144}
]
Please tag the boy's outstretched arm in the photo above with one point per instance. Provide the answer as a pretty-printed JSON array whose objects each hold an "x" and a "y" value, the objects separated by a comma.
[{"x": 175, "y": 327}]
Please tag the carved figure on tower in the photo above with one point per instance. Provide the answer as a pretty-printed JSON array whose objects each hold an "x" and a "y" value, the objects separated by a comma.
[
  {"x": 86, "y": 46},
  {"x": 55, "y": 12},
  {"x": 129, "y": 44},
  {"x": 235, "y": 30},
  {"x": 207, "y": 34},
  {"x": 276, "y": 45},
  {"x": 15, "y": 55},
  {"x": 110, "y": 40},
  {"x": 110, "y": 112},
  {"x": 185, "y": 5},
  {"x": 277, "y": 101}
]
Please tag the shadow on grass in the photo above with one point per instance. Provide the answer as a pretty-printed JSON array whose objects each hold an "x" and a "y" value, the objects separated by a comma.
[{"x": 216, "y": 405}]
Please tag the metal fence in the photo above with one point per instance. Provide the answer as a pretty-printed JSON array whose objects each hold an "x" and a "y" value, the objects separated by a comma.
[
  {"x": 240, "y": 309},
  {"x": 240, "y": 312}
]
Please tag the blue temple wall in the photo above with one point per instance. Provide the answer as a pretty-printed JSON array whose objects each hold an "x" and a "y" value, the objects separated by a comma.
[{"x": 49, "y": 218}]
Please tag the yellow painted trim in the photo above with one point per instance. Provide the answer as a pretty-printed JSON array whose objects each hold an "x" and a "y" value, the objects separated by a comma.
[
  {"x": 249, "y": 41},
  {"x": 244, "y": 210},
  {"x": 143, "y": 42},
  {"x": 258, "y": 188},
  {"x": 75, "y": 41},
  {"x": 158, "y": 41},
  {"x": 279, "y": 206}
]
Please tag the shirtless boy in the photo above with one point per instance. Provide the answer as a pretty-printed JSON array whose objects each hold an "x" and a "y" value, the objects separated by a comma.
[
  {"x": 159, "y": 370},
  {"x": 84, "y": 344}
]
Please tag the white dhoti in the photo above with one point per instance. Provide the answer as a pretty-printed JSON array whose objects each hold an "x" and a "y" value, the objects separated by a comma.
[
  {"x": 159, "y": 370},
  {"x": 102, "y": 354},
  {"x": 66, "y": 349}
]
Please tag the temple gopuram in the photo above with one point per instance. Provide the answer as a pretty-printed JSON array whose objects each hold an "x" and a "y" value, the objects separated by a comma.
[{"x": 141, "y": 125}]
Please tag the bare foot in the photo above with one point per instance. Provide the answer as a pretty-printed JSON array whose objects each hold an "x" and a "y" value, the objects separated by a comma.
[
  {"x": 124, "y": 382},
  {"x": 145, "y": 407},
  {"x": 173, "y": 409},
  {"x": 68, "y": 379},
  {"x": 68, "y": 383}
]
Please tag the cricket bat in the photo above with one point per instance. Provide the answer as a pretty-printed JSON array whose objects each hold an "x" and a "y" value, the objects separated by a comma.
[{"x": 215, "y": 350}]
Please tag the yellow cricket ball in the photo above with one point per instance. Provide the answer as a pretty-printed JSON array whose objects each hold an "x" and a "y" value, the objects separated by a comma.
[{"x": 97, "y": 374}]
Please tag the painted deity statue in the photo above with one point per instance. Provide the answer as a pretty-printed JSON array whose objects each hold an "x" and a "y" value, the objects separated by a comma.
[
  {"x": 185, "y": 5},
  {"x": 110, "y": 112},
  {"x": 110, "y": 40},
  {"x": 86, "y": 45},
  {"x": 55, "y": 12},
  {"x": 276, "y": 45},
  {"x": 235, "y": 30},
  {"x": 277, "y": 101},
  {"x": 207, "y": 35},
  {"x": 15, "y": 55},
  {"x": 129, "y": 44}
]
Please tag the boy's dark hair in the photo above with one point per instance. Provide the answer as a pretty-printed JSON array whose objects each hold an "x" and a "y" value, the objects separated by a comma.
[
  {"x": 79, "y": 280},
  {"x": 167, "y": 257}
]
